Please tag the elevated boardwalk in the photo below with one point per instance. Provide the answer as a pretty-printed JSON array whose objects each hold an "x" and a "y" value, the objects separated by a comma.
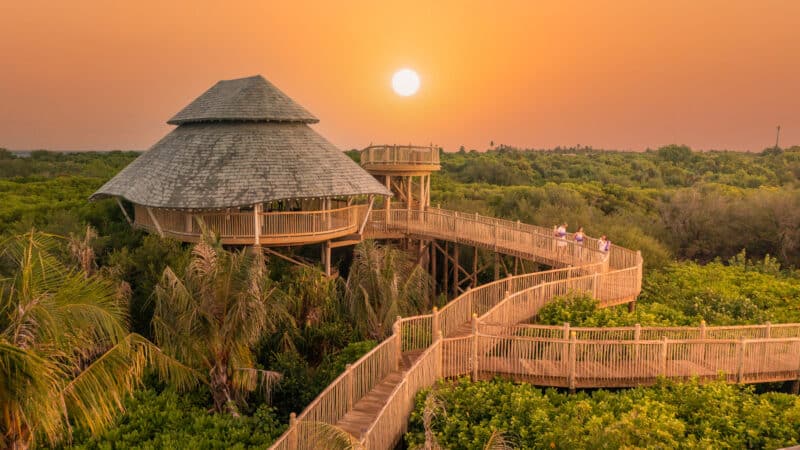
[{"x": 481, "y": 334}]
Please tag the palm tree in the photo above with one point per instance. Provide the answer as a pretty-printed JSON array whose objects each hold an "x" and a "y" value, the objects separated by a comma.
[
  {"x": 384, "y": 283},
  {"x": 66, "y": 356},
  {"x": 211, "y": 317}
]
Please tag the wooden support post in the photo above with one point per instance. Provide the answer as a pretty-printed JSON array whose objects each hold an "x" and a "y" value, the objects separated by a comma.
[
  {"x": 496, "y": 266},
  {"x": 349, "y": 372},
  {"x": 740, "y": 346},
  {"x": 439, "y": 355},
  {"x": 573, "y": 361},
  {"x": 257, "y": 224},
  {"x": 326, "y": 257},
  {"x": 125, "y": 213},
  {"x": 428, "y": 192},
  {"x": 433, "y": 270},
  {"x": 632, "y": 306},
  {"x": 435, "y": 322},
  {"x": 637, "y": 336},
  {"x": 397, "y": 330},
  {"x": 475, "y": 267},
  {"x": 389, "y": 200},
  {"x": 516, "y": 265},
  {"x": 566, "y": 330},
  {"x": 155, "y": 222},
  {"x": 422, "y": 193},
  {"x": 702, "y": 356},
  {"x": 796, "y": 382},
  {"x": 456, "y": 270},
  {"x": 294, "y": 432},
  {"x": 408, "y": 194},
  {"x": 474, "y": 347},
  {"x": 768, "y": 329},
  {"x": 446, "y": 270},
  {"x": 664, "y": 356}
]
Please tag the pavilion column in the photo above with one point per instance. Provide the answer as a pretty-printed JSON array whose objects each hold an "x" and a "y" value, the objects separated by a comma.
[
  {"x": 422, "y": 193},
  {"x": 257, "y": 208},
  {"x": 408, "y": 194},
  {"x": 428, "y": 191},
  {"x": 388, "y": 199}
]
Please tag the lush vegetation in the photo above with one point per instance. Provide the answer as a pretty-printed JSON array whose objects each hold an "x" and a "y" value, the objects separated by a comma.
[
  {"x": 669, "y": 415},
  {"x": 684, "y": 293},
  {"x": 683, "y": 209}
]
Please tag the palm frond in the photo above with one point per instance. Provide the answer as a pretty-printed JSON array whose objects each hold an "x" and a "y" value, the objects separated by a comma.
[
  {"x": 329, "y": 436},
  {"x": 95, "y": 395}
]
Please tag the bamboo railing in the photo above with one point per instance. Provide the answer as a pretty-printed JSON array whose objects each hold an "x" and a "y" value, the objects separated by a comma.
[
  {"x": 485, "y": 333},
  {"x": 289, "y": 227},
  {"x": 458, "y": 355},
  {"x": 400, "y": 155}
]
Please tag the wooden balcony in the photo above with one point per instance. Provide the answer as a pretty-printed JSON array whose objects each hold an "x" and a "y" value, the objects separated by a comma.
[
  {"x": 237, "y": 227},
  {"x": 400, "y": 160}
]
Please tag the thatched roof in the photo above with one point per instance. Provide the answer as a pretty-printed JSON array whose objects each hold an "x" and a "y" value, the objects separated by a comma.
[
  {"x": 244, "y": 99},
  {"x": 221, "y": 164}
]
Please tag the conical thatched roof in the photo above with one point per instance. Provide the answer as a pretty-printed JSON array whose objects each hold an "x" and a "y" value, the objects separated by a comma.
[
  {"x": 233, "y": 161},
  {"x": 245, "y": 99}
]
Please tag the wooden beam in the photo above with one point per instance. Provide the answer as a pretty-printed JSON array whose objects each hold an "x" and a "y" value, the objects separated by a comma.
[
  {"x": 505, "y": 267},
  {"x": 284, "y": 257},
  {"x": 366, "y": 217},
  {"x": 155, "y": 221},
  {"x": 447, "y": 255},
  {"x": 125, "y": 213}
]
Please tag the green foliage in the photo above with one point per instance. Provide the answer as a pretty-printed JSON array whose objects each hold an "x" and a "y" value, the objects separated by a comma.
[
  {"x": 742, "y": 292},
  {"x": 726, "y": 294},
  {"x": 301, "y": 382},
  {"x": 669, "y": 415},
  {"x": 66, "y": 355},
  {"x": 168, "y": 420}
]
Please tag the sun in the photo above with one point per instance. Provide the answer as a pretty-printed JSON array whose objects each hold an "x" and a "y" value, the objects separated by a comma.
[{"x": 405, "y": 82}]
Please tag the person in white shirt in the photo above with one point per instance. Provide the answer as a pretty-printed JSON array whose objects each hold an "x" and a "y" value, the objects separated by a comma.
[
  {"x": 561, "y": 234},
  {"x": 603, "y": 244}
]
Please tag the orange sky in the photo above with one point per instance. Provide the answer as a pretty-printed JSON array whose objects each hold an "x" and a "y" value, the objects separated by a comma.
[{"x": 610, "y": 74}]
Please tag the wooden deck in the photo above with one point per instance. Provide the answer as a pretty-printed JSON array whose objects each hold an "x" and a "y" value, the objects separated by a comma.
[
  {"x": 482, "y": 334},
  {"x": 239, "y": 228}
]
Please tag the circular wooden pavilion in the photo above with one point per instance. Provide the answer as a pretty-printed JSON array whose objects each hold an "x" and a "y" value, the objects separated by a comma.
[{"x": 244, "y": 163}]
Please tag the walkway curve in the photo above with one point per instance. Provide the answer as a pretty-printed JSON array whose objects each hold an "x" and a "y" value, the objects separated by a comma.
[{"x": 481, "y": 334}]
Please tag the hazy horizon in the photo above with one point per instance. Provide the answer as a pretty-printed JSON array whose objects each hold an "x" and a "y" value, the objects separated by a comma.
[{"x": 624, "y": 75}]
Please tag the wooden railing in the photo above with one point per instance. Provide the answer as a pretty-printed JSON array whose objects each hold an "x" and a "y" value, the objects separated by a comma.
[
  {"x": 400, "y": 155},
  {"x": 340, "y": 396},
  {"x": 239, "y": 227},
  {"x": 459, "y": 355}
]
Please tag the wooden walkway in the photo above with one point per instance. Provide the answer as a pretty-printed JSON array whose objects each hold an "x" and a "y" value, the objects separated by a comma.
[{"x": 482, "y": 334}]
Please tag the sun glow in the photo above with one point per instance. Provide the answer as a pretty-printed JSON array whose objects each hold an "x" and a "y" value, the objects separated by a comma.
[{"x": 405, "y": 82}]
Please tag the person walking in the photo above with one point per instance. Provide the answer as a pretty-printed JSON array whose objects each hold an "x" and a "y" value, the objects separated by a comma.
[
  {"x": 579, "y": 237},
  {"x": 603, "y": 244},
  {"x": 561, "y": 235}
]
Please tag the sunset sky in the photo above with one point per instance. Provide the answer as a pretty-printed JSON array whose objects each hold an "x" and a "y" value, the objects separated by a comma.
[{"x": 82, "y": 75}]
